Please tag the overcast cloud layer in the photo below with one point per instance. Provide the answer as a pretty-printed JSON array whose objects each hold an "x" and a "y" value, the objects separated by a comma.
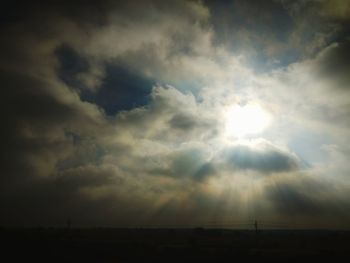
[{"x": 115, "y": 114}]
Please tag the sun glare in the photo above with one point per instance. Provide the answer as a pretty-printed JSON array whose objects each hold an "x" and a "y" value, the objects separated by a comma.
[{"x": 246, "y": 120}]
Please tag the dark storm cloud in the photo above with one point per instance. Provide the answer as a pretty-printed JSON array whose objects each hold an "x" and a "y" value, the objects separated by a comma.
[
  {"x": 187, "y": 164},
  {"x": 260, "y": 27},
  {"x": 187, "y": 123},
  {"x": 266, "y": 160},
  {"x": 183, "y": 122},
  {"x": 268, "y": 15},
  {"x": 288, "y": 199},
  {"x": 276, "y": 33},
  {"x": 207, "y": 169},
  {"x": 56, "y": 199},
  {"x": 19, "y": 11},
  {"x": 334, "y": 64},
  {"x": 24, "y": 105},
  {"x": 309, "y": 197},
  {"x": 85, "y": 176}
]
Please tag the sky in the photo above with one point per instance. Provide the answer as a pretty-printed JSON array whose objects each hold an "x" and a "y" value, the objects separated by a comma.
[{"x": 133, "y": 113}]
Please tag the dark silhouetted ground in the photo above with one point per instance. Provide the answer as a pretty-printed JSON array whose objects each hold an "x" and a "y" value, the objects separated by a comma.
[{"x": 106, "y": 245}]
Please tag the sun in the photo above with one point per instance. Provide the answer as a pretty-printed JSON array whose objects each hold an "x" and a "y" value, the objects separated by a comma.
[{"x": 242, "y": 121}]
